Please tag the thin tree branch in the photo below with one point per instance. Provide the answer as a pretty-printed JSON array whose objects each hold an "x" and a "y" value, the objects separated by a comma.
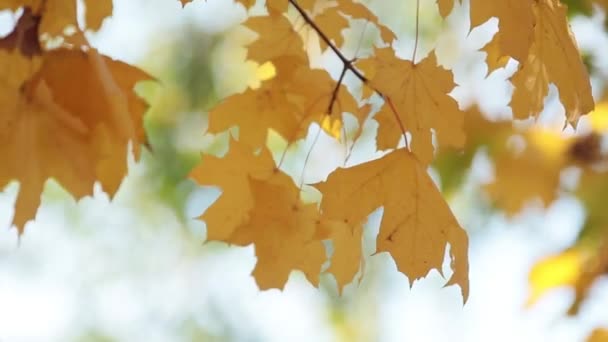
[
  {"x": 334, "y": 94},
  {"x": 348, "y": 65}
]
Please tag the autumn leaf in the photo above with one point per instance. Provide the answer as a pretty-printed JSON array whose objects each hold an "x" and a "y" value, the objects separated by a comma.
[
  {"x": 598, "y": 335},
  {"x": 288, "y": 103},
  {"x": 24, "y": 37},
  {"x": 563, "y": 269},
  {"x": 96, "y": 11},
  {"x": 42, "y": 122},
  {"x": 420, "y": 99},
  {"x": 277, "y": 38},
  {"x": 282, "y": 229},
  {"x": 495, "y": 57},
  {"x": 58, "y": 14},
  {"x": 445, "y": 7},
  {"x": 531, "y": 173},
  {"x": 416, "y": 224},
  {"x": 516, "y": 24},
  {"x": 231, "y": 173},
  {"x": 357, "y": 10},
  {"x": 347, "y": 255},
  {"x": 553, "y": 58}
]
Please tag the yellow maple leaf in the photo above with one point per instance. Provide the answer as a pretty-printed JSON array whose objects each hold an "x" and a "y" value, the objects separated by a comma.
[
  {"x": 231, "y": 173},
  {"x": 420, "y": 98},
  {"x": 553, "y": 58},
  {"x": 277, "y": 38},
  {"x": 347, "y": 248},
  {"x": 287, "y": 103},
  {"x": 282, "y": 229},
  {"x": 357, "y": 10},
  {"x": 332, "y": 23},
  {"x": 417, "y": 222},
  {"x": 495, "y": 57},
  {"x": 516, "y": 24}
]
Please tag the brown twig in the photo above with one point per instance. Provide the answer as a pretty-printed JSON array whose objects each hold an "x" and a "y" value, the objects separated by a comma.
[
  {"x": 348, "y": 65},
  {"x": 334, "y": 94}
]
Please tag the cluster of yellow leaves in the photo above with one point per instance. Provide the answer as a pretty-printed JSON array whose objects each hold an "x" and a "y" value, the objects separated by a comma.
[
  {"x": 528, "y": 165},
  {"x": 42, "y": 119},
  {"x": 537, "y": 35},
  {"x": 417, "y": 223},
  {"x": 66, "y": 112}
]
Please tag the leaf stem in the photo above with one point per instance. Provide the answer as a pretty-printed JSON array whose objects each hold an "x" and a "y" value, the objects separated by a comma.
[{"x": 417, "y": 31}]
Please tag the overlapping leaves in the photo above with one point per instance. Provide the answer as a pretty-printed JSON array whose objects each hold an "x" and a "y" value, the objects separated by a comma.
[
  {"x": 260, "y": 204},
  {"x": 46, "y": 129}
]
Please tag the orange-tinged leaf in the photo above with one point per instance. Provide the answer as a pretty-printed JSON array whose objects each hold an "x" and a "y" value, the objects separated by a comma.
[
  {"x": 445, "y": 7},
  {"x": 420, "y": 98},
  {"x": 246, "y": 3},
  {"x": 332, "y": 23},
  {"x": 24, "y": 36},
  {"x": 96, "y": 11},
  {"x": 282, "y": 228},
  {"x": 57, "y": 15},
  {"x": 495, "y": 58},
  {"x": 553, "y": 58},
  {"x": 42, "y": 121},
  {"x": 417, "y": 223},
  {"x": 231, "y": 173}
]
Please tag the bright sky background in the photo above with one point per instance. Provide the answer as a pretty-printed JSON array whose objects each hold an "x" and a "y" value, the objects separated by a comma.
[{"x": 132, "y": 270}]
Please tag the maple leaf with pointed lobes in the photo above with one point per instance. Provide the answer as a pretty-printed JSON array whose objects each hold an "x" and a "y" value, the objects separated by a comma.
[
  {"x": 282, "y": 229},
  {"x": 495, "y": 58},
  {"x": 288, "y": 103},
  {"x": 41, "y": 121},
  {"x": 420, "y": 98},
  {"x": 347, "y": 255},
  {"x": 231, "y": 173},
  {"x": 277, "y": 38},
  {"x": 553, "y": 58},
  {"x": 359, "y": 11},
  {"x": 332, "y": 23},
  {"x": 417, "y": 222},
  {"x": 516, "y": 24}
]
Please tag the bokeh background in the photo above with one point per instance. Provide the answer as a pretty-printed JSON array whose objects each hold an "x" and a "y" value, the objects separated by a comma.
[{"x": 137, "y": 269}]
